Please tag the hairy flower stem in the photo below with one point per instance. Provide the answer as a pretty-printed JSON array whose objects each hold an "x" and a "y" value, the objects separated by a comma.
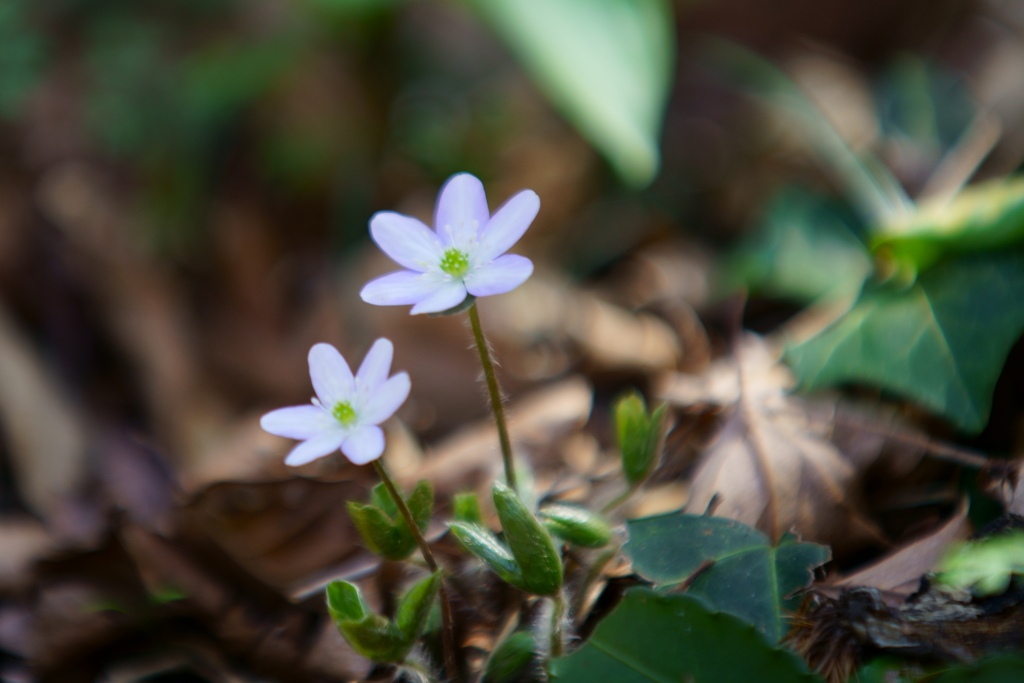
[
  {"x": 497, "y": 407},
  {"x": 557, "y": 619},
  {"x": 447, "y": 629}
]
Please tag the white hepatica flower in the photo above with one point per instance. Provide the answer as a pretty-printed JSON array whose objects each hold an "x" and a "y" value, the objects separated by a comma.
[
  {"x": 346, "y": 410},
  {"x": 464, "y": 253}
]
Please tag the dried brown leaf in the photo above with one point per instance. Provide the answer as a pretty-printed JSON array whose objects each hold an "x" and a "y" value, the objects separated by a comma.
[
  {"x": 772, "y": 466},
  {"x": 900, "y": 571}
]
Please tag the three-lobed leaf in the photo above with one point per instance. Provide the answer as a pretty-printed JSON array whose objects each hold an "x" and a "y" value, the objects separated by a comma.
[
  {"x": 653, "y": 638},
  {"x": 382, "y": 527},
  {"x": 941, "y": 341},
  {"x": 735, "y": 568},
  {"x": 376, "y": 637}
]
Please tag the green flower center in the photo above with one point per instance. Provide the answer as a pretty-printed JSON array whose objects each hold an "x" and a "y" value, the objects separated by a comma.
[
  {"x": 455, "y": 262},
  {"x": 344, "y": 413}
]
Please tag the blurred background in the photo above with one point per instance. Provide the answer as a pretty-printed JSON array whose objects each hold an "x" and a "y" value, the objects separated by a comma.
[{"x": 185, "y": 187}]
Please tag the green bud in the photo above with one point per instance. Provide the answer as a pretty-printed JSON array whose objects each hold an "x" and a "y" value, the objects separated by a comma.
[
  {"x": 481, "y": 543},
  {"x": 508, "y": 663},
  {"x": 382, "y": 527},
  {"x": 374, "y": 636},
  {"x": 576, "y": 525},
  {"x": 639, "y": 436},
  {"x": 466, "y": 508},
  {"x": 529, "y": 542}
]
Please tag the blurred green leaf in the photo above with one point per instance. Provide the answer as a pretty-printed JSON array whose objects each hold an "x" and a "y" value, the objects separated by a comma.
[
  {"x": 466, "y": 508},
  {"x": 995, "y": 670},
  {"x": 508, "y": 662},
  {"x": 745, "y": 575},
  {"x": 985, "y": 566},
  {"x": 22, "y": 56},
  {"x": 941, "y": 341},
  {"x": 805, "y": 248},
  {"x": 988, "y": 215},
  {"x": 606, "y": 64},
  {"x": 651, "y": 638},
  {"x": 414, "y": 607}
]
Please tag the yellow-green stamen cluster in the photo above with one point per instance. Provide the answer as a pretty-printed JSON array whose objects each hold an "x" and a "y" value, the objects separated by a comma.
[
  {"x": 455, "y": 262},
  {"x": 344, "y": 413}
]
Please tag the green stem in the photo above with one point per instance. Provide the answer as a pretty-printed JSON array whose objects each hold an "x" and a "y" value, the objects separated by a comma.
[
  {"x": 620, "y": 499},
  {"x": 497, "y": 407},
  {"x": 447, "y": 629}
]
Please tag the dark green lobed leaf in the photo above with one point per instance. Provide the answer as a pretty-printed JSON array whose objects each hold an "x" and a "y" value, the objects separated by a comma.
[
  {"x": 749, "y": 577},
  {"x": 652, "y": 638}
]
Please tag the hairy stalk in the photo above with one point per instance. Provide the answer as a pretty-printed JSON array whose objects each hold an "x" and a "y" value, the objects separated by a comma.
[
  {"x": 557, "y": 619},
  {"x": 497, "y": 407},
  {"x": 447, "y": 629}
]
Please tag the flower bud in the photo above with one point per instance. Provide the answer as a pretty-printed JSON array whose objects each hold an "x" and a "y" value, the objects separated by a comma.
[
  {"x": 639, "y": 436},
  {"x": 576, "y": 525},
  {"x": 529, "y": 542}
]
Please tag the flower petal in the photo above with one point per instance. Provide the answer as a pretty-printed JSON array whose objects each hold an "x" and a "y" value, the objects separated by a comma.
[
  {"x": 376, "y": 365},
  {"x": 407, "y": 241},
  {"x": 332, "y": 378},
  {"x": 386, "y": 400},
  {"x": 298, "y": 422},
  {"x": 461, "y": 210},
  {"x": 508, "y": 224},
  {"x": 317, "y": 447},
  {"x": 400, "y": 288},
  {"x": 449, "y": 294},
  {"x": 501, "y": 275},
  {"x": 364, "y": 444}
]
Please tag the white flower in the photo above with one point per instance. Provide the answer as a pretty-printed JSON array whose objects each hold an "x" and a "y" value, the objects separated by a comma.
[
  {"x": 346, "y": 410},
  {"x": 465, "y": 254}
]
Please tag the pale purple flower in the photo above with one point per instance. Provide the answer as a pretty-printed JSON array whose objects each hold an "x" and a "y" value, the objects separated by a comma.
[
  {"x": 346, "y": 410},
  {"x": 464, "y": 253}
]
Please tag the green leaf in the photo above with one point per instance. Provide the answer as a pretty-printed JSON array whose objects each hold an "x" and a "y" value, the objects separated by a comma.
[
  {"x": 806, "y": 247},
  {"x": 995, "y": 670},
  {"x": 606, "y": 65},
  {"x": 743, "y": 573},
  {"x": 984, "y": 566},
  {"x": 383, "y": 536},
  {"x": 345, "y": 602},
  {"x": 985, "y": 216},
  {"x": 652, "y": 638},
  {"x": 22, "y": 56},
  {"x": 374, "y": 636},
  {"x": 513, "y": 656},
  {"x": 481, "y": 543},
  {"x": 577, "y": 525},
  {"x": 414, "y": 607},
  {"x": 530, "y": 543},
  {"x": 382, "y": 527},
  {"x": 466, "y": 508},
  {"x": 941, "y": 341},
  {"x": 421, "y": 504}
]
